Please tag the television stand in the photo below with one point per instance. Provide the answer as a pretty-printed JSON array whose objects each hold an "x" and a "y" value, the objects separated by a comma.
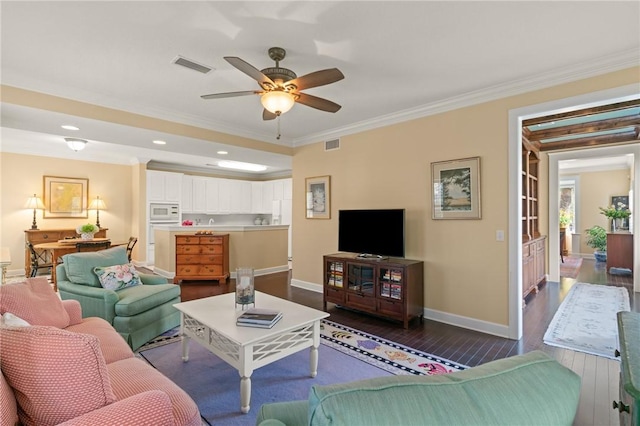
[
  {"x": 370, "y": 256},
  {"x": 390, "y": 288}
]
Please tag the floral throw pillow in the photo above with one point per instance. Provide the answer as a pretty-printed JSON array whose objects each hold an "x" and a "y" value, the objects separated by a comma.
[{"x": 117, "y": 277}]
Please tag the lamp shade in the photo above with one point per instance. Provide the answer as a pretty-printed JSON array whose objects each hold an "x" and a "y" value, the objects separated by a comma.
[
  {"x": 34, "y": 203},
  {"x": 97, "y": 204},
  {"x": 277, "y": 101}
]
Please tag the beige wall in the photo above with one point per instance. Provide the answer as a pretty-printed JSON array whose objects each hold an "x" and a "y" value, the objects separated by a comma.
[
  {"x": 22, "y": 176},
  {"x": 596, "y": 190},
  {"x": 466, "y": 269}
]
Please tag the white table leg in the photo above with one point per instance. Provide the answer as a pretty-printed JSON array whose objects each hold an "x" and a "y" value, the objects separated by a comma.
[
  {"x": 185, "y": 340},
  {"x": 313, "y": 352},
  {"x": 245, "y": 394}
]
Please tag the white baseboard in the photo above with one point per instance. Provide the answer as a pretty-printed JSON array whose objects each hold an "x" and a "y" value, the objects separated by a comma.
[
  {"x": 256, "y": 273},
  {"x": 306, "y": 285},
  {"x": 468, "y": 323}
]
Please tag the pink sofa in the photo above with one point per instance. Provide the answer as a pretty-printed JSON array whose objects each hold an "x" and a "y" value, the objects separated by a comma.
[{"x": 63, "y": 369}]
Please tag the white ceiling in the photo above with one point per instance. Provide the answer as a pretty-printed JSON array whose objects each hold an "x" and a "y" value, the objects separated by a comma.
[{"x": 401, "y": 60}]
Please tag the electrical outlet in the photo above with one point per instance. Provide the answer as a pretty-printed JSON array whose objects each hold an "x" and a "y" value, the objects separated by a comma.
[{"x": 499, "y": 235}]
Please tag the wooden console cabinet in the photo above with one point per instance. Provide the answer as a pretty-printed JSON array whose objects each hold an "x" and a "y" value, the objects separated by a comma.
[
  {"x": 533, "y": 265},
  {"x": 38, "y": 236},
  {"x": 391, "y": 288},
  {"x": 620, "y": 250},
  {"x": 202, "y": 257}
]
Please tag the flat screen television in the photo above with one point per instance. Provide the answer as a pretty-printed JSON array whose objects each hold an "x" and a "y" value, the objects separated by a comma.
[{"x": 371, "y": 233}]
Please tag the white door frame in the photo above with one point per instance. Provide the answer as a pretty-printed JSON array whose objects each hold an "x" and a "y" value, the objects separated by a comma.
[{"x": 516, "y": 116}]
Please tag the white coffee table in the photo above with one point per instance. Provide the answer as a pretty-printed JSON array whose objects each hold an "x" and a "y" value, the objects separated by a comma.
[{"x": 212, "y": 323}]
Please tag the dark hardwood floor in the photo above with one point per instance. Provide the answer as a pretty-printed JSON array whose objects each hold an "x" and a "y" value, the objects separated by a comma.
[{"x": 599, "y": 375}]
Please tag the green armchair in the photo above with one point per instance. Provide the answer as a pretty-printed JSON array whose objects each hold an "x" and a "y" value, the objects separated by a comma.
[{"x": 138, "y": 313}]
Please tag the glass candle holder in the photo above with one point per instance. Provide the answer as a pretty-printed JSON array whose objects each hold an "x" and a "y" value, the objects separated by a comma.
[{"x": 245, "y": 290}]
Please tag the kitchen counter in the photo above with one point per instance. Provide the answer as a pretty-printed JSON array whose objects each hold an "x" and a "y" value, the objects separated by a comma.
[{"x": 262, "y": 247}]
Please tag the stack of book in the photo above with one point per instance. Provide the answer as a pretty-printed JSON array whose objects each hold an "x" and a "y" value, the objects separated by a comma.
[{"x": 256, "y": 317}]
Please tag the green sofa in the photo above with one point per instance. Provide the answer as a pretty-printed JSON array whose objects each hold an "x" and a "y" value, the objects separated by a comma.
[
  {"x": 530, "y": 389},
  {"x": 138, "y": 313}
]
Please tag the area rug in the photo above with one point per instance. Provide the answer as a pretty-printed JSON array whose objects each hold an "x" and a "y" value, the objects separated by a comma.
[
  {"x": 570, "y": 268},
  {"x": 346, "y": 356},
  {"x": 586, "y": 319}
]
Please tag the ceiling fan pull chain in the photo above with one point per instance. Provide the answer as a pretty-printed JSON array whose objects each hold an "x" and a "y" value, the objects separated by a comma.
[{"x": 278, "y": 137}]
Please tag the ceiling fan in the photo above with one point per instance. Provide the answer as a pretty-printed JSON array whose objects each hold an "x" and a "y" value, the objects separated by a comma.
[{"x": 280, "y": 87}]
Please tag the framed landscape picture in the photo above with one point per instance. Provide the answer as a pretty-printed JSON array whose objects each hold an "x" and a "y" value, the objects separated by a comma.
[
  {"x": 65, "y": 197},
  {"x": 318, "y": 197},
  {"x": 456, "y": 189}
]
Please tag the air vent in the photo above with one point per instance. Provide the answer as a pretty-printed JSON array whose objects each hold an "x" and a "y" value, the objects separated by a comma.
[
  {"x": 332, "y": 144},
  {"x": 188, "y": 63}
]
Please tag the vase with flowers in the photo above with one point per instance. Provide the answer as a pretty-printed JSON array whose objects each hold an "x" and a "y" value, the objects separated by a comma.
[
  {"x": 616, "y": 212},
  {"x": 87, "y": 231}
]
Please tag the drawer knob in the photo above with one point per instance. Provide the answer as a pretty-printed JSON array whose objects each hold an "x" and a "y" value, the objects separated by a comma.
[
  {"x": 617, "y": 353},
  {"x": 620, "y": 406}
]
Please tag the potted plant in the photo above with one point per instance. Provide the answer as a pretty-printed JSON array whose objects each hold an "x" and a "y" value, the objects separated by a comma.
[
  {"x": 564, "y": 218},
  {"x": 597, "y": 239},
  {"x": 87, "y": 231}
]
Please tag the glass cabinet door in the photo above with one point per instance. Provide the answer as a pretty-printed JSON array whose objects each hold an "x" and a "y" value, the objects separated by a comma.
[
  {"x": 361, "y": 278},
  {"x": 335, "y": 273},
  {"x": 390, "y": 283}
]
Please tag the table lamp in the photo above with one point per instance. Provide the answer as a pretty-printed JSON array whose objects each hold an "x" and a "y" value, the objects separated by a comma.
[
  {"x": 34, "y": 203},
  {"x": 98, "y": 205}
]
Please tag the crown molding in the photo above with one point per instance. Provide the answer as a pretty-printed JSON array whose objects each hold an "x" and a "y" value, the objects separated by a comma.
[{"x": 611, "y": 63}]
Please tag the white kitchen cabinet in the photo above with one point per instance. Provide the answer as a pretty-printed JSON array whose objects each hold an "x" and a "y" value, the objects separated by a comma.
[
  {"x": 164, "y": 186},
  {"x": 240, "y": 196},
  {"x": 212, "y": 196},
  {"x": 278, "y": 189},
  {"x": 256, "y": 197},
  {"x": 187, "y": 194},
  {"x": 224, "y": 195},
  {"x": 288, "y": 189},
  {"x": 199, "y": 195},
  {"x": 267, "y": 197}
]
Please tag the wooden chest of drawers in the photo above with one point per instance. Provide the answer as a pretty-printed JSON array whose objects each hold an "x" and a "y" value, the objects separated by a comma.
[{"x": 202, "y": 257}]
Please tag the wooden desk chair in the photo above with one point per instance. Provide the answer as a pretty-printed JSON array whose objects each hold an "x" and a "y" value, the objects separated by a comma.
[
  {"x": 92, "y": 246},
  {"x": 130, "y": 245},
  {"x": 38, "y": 260}
]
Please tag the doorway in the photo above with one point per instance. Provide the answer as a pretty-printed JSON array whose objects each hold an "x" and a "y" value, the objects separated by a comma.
[{"x": 516, "y": 117}]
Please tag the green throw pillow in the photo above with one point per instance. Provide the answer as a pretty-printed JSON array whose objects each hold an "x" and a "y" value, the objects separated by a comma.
[{"x": 117, "y": 277}]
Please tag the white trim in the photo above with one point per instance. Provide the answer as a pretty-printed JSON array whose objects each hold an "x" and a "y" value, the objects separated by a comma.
[
  {"x": 468, "y": 323},
  {"x": 307, "y": 285},
  {"x": 516, "y": 116}
]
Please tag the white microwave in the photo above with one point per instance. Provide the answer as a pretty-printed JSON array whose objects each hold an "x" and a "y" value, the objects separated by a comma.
[{"x": 167, "y": 212}]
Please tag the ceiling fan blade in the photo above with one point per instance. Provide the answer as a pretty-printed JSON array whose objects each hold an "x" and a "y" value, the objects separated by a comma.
[
  {"x": 318, "y": 78},
  {"x": 268, "y": 115},
  {"x": 230, "y": 94},
  {"x": 317, "y": 103},
  {"x": 251, "y": 71}
]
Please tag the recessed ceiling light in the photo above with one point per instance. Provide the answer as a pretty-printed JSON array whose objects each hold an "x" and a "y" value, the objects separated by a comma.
[
  {"x": 222, "y": 152},
  {"x": 69, "y": 127},
  {"x": 159, "y": 142},
  {"x": 242, "y": 166}
]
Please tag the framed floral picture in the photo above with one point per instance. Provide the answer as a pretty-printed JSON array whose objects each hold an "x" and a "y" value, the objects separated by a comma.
[
  {"x": 318, "y": 197},
  {"x": 456, "y": 189},
  {"x": 65, "y": 197}
]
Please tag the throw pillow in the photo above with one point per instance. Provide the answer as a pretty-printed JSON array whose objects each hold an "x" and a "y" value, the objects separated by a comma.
[
  {"x": 56, "y": 374},
  {"x": 118, "y": 276},
  {"x": 35, "y": 302},
  {"x": 10, "y": 320}
]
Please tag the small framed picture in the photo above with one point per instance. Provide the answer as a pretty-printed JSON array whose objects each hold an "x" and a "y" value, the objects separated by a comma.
[
  {"x": 65, "y": 197},
  {"x": 456, "y": 189},
  {"x": 318, "y": 197}
]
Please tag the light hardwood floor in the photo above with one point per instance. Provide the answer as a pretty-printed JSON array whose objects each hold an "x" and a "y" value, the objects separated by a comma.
[{"x": 599, "y": 375}]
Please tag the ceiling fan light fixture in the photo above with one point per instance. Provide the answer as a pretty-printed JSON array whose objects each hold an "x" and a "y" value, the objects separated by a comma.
[
  {"x": 76, "y": 144},
  {"x": 277, "y": 101}
]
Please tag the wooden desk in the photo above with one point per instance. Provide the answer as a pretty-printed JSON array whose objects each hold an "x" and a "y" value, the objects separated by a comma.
[
  {"x": 5, "y": 260},
  {"x": 59, "y": 249},
  {"x": 620, "y": 250}
]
